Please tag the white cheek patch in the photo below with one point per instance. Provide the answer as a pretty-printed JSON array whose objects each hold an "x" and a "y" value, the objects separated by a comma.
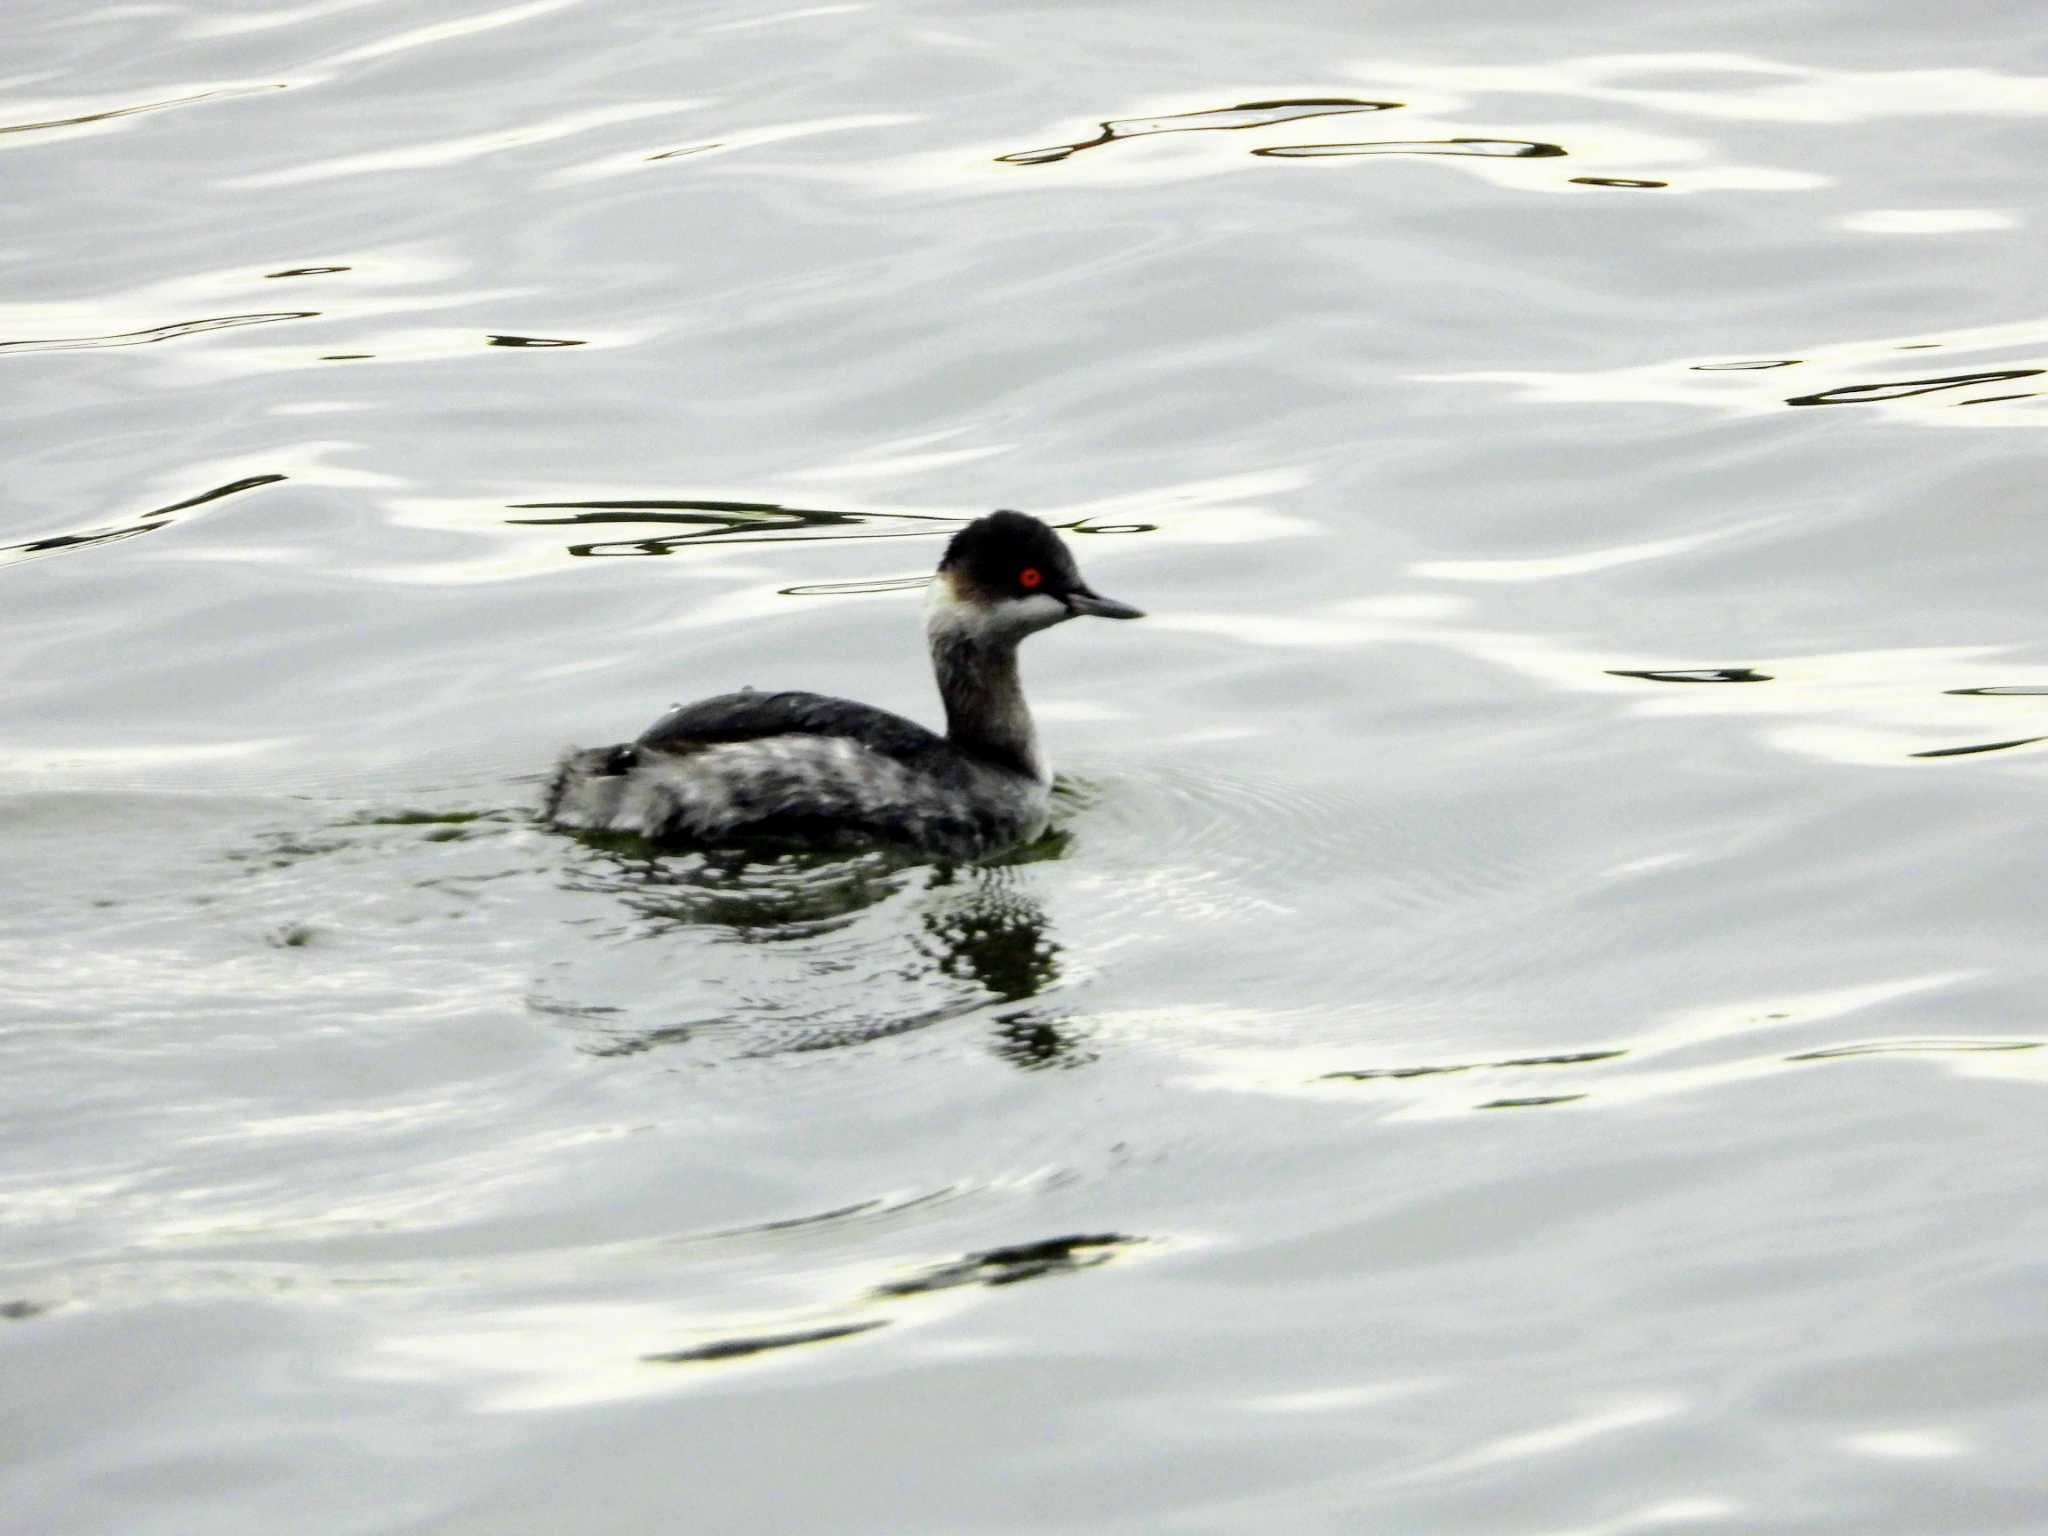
[
  {"x": 1005, "y": 619},
  {"x": 1013, "y": 618},
  {"x": 1041, "y": 610}
]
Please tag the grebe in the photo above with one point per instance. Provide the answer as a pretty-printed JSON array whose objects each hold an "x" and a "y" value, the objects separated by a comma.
[{"x": 831, "y": 772}]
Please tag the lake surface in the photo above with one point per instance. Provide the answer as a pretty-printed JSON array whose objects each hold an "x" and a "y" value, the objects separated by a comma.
[{"x": 1530, "y": 1019}]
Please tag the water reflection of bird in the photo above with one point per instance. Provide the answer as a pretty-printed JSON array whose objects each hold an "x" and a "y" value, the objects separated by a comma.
[
  {"x": 828, "y": 771},
  {"x": 836, "y": 931},
  {"x": 994, "y": 934}
]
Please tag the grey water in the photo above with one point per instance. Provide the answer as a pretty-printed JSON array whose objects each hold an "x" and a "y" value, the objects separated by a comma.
[{"x": 1529, "y": 1019}]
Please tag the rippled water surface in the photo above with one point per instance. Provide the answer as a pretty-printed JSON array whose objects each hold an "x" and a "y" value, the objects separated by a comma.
[{"x": 1529, "y": 1019}]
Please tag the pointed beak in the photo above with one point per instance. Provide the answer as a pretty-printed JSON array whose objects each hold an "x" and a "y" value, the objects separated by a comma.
[{"x": 1095, "y": 605}]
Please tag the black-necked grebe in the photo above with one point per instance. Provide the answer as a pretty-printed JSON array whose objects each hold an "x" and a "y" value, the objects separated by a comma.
[{"x": 830, "y": 771}]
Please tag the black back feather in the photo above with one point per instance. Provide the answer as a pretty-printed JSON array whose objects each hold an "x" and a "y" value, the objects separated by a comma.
[{"x": 751, "y": 716}]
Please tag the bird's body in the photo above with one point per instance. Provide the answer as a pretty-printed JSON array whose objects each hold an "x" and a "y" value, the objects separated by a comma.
[
  {"x": 800, "y": 767},
  {"x": 830, "y": 772}
]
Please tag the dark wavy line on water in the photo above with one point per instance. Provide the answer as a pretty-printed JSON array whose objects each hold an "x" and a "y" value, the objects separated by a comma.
[
  {"x": 1937, "y": 1046},
  {"x": 306, "y": 271},
  {"x": 1756, "y": 367},
  {"x": 147, "y": 106},
  {"x": 876, "y": 1206},
  {"x": 1401, "y": 1074},
  {"x": 155, "y": 333},
  {"x": 1989, "y": 746},
  {"x": 1903, "y": 389},
  {"x": 494, "y": 339},
  {"x": 147, "y": 522},
  {"x": 687, "y": 149},
  {"x": 1019, "y": 1261},
  {"x": 753, "y": 522},
  {"x": 761, "y": 1344},
  {"x": 990, "y": 1267},
  {"x": 855, "y": 588},
  {"x": 2011, "y": 691},
  {"x": 1615, "y": 181},
  {"x": 1494, "y": 149},
  {"x": 1697, "y": 675},
  {"x": 1256, "y": 114}
]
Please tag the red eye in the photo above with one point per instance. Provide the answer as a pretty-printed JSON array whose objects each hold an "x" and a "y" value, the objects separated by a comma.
[{"x": 1029, "y": 577}]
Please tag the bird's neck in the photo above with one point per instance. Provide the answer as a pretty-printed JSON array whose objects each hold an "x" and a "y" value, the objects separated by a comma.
[{"x": 985, "y": 710}]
